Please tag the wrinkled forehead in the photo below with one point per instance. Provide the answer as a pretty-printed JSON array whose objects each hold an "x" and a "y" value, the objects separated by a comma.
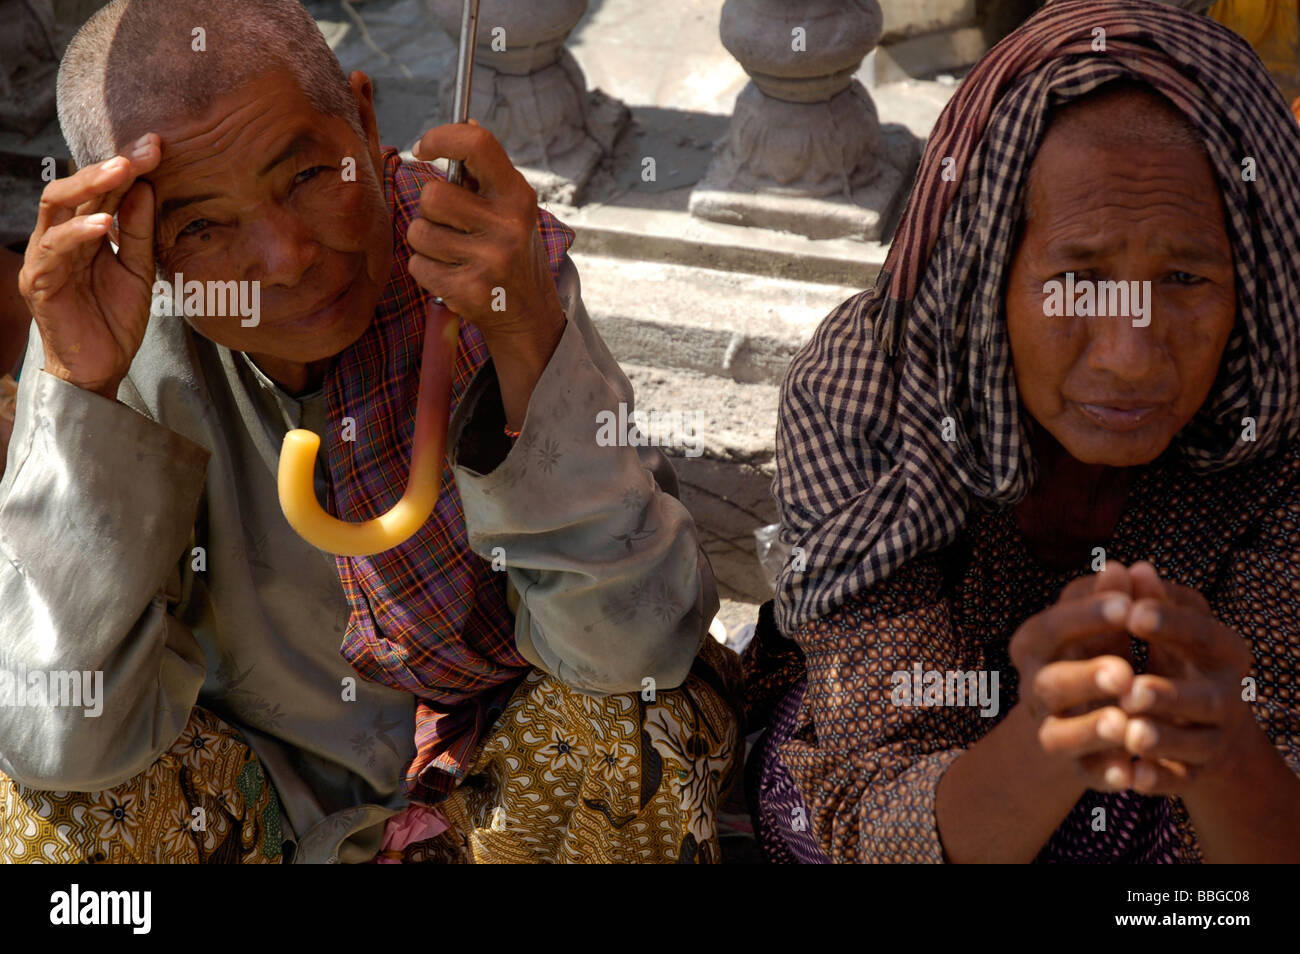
[
  {"x": 1122, "y": 135},
  {"x": 251, "y": 112},
  {"x": 242, "y": 140}
]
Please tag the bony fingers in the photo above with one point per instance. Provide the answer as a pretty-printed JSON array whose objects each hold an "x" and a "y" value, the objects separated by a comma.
[
  {"x": 1063, "y": 685},
  {"x": 1096, "y": 731},
  {"x": 1184, "y": 630},
  {"x": 62, "y": 240},
  {"x": 487, "y": 168},
  {"x": 1114, "y": 576},
  {"x": 1112, "y": 675},
  {"x": 91, "y": 183},
  {"x": 1108, "y": 771},
  {"x": 142, "y": 157},
  {"x": 1189, "y": 745},
  {"x": 1161, "y": 776},
  {"x": 453, "y": 283},
  {"x": 61, "y": 251},
  {"x": 1146, "y": 581},
  {"x": 1103, "y": 615},
  {"x": 1118, "y": 772},
  {"x": 1150, "y": 620},
  {"x": 144, "y": 151},
  {"x": 1057, "y": 632},
  {"x": 1179, "y": 699},
  {"x": 114, "y": 178},
  {"x": 78, "y": 194}
]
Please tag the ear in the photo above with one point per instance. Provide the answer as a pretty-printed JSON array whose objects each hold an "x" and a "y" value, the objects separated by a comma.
[{"x": 363, "y": 91}]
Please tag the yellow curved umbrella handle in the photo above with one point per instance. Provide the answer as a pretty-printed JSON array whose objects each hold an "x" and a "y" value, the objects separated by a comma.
[{"x": 298, "y": 461}]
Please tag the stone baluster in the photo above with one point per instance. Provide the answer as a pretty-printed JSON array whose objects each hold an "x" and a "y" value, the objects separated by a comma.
[
  {"x": 531, "y": 94},
  {"x": 804, "y": 152},
  {"x": 30, "y": 48}
]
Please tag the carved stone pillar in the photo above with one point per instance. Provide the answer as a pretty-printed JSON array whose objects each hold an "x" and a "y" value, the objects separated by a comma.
[
  {"x": 804, "y": 152},
  {"x": 531, "y": 94},
  {"x": 30, "y": 48}
]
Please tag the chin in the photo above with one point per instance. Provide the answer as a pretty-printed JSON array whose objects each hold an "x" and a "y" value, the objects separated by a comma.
[
  {"x": 316, "y": 347},
  {"x": 1114, "y": 450}
]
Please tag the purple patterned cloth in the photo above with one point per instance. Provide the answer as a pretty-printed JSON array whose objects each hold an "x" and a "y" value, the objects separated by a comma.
[
  {"x": 781, "y": 823},
  {"x": 1139, "y": 830}
]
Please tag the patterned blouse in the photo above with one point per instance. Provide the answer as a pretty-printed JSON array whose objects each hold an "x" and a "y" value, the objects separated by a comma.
[{"x": 868, "y": 769}]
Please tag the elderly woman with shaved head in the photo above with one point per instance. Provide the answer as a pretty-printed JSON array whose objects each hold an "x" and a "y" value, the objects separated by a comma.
[
  {"x": 1045, "y": 478},
  {"x": 507, "y": 647}
]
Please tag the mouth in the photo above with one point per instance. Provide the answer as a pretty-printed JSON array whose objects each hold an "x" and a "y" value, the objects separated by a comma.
[
  {"x": 325, "y": 311},
  {"x": 1121, "y": 417}
]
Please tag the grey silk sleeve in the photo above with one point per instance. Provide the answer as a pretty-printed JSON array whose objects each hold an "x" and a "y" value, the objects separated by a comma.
[
  {"x": 614, "y": 588},
  {"x": 96, "y": 507}
]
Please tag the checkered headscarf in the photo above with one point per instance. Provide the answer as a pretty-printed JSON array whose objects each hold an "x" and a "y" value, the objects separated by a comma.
[{"x": 865, "y": 481}]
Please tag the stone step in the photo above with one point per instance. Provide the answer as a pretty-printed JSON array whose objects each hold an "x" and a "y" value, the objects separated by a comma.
[
  {"x": 706, "y": 351},
  {"x": 725, "y": 468},
  {"x": 726, "y": 420},
  {"x": 675, "y": 236},
  {"x": 731, "y": 325}
]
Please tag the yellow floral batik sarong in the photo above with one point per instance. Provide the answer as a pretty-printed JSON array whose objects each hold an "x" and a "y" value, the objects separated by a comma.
[
  {"x": 568, "y": 777},
  {"x": 206, "y": 800},
  {"x": 561, "y": 777}
]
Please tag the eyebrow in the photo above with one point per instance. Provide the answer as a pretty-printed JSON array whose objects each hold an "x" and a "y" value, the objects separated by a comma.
[
  {"x": 1194, "y": 253},
  {"x": 300, "y": 143},
  {"x": 172, "y": 206}
]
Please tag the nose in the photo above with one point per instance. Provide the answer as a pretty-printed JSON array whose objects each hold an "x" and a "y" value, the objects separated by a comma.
[
  {"x": 1121, "y": 350},
  {"x": 282, "y": 248}
]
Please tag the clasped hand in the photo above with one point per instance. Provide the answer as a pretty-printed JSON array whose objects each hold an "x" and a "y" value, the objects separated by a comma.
[{"x": 1160, "y": 733}]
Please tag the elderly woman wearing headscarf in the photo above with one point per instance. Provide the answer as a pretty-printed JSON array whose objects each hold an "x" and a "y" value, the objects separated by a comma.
[{"x": 1047, "y": 576}]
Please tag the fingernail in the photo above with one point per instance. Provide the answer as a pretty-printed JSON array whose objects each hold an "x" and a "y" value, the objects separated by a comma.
[
  {"x": 1142, "y": 735},
  {"x": 1108, "y": 679},
  {"x": 1146, "y": 617},
  {"x": 1115, "y": 609},
  {"x": 141, "y": 147},
  {"x": 1115, "y": 777},
  {"x": 113, "y": 165},
  {"x": 1140, "y": 697},
  {"x": 1111, "y": 726}
]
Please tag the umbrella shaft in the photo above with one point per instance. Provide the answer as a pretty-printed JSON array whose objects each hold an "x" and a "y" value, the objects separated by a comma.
[{"x": 464, "y": 79}]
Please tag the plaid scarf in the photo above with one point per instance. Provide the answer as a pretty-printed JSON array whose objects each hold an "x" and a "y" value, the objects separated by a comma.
[
  {"x": 428, "y": 616},
  {"x": 864, "y": 479}
]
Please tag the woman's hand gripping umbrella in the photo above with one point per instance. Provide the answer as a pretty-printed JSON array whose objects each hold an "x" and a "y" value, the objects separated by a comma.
[{"x": 442, "y": 333}]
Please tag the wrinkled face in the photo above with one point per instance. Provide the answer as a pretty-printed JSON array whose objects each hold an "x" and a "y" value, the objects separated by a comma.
[
  {"x": 257, "y": 190},
  {"x": 1112, "y": 392}
]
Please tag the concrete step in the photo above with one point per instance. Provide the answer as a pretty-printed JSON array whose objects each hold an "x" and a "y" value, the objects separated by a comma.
[
  {"x": 710, "y": 348},
  {"x": 732, "y": 422},
  {"x": 727, "y": 485},
  {"x": 732, "y": 325},
  {"x": 674, "y": 236}
]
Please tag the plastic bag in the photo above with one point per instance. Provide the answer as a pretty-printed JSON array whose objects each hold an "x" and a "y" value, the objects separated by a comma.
[{"x": 772, "y": 553}]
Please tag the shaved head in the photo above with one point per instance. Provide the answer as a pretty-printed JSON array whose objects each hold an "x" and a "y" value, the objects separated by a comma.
[{"x": 136, "y": 62}]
